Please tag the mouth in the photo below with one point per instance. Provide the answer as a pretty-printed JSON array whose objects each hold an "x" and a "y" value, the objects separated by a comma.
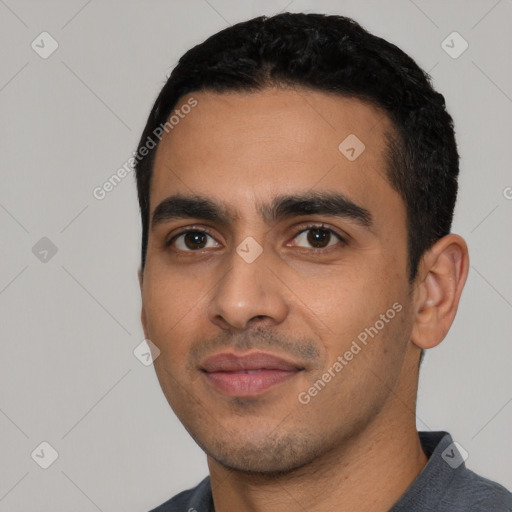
[{"x": 247, "y": 375}]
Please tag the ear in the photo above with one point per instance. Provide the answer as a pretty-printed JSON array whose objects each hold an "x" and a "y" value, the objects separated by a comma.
[
  {"x": 143, "y": 321},
  {"x": 441, "y": 277},
  {"x": 141, "y": 277}
]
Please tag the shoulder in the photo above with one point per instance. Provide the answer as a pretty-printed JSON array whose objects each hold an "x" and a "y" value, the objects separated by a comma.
[
  {"x": 479, "y": 493},
  {"x": 197, "y": 499},
  {"x": 447, "y": 485}
]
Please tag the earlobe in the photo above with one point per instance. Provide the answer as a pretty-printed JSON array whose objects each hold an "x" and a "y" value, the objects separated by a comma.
[{"x": 443, "y": 273}]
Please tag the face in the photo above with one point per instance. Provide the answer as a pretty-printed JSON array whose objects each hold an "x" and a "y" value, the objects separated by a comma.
[{"x": 276, "y": 285}]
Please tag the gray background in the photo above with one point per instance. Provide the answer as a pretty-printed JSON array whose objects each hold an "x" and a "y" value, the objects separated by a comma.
[{"x": 70, "y": 323}]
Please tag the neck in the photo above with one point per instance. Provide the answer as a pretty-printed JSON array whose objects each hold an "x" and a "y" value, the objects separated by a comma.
[{"x": 369, "y": 471}]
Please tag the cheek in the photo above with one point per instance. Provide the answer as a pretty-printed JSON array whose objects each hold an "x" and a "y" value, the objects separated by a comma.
[
  {"x": 173, "y": 305},
  {"x": 348, "y": 295},
  {"x": 347, "y": 305}
]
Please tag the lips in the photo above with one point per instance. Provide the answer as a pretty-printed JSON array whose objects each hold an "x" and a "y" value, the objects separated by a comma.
[{"x": 247, "y": 375}]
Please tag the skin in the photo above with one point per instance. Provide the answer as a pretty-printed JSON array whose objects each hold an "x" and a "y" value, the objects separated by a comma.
[{"x": 356, "y": 441}]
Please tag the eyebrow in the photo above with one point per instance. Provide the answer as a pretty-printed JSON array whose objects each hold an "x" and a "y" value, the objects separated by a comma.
[{"x": 279, "y": 208}]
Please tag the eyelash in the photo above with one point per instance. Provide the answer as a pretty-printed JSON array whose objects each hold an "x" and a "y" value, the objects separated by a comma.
[{"x": 194, "y": 229}]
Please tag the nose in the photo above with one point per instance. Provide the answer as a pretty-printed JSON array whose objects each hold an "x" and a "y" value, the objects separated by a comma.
[{"x": 247, "y": 293}]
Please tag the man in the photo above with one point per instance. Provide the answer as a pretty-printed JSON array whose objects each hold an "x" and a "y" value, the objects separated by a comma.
[{"x": 297, "y": 178}]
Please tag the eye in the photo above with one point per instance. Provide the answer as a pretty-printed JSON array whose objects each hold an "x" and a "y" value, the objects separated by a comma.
[
  {"x": 318, "y": 237},
  {"x": 314, "y": 236},
  {"x": 192, "y": 240}
]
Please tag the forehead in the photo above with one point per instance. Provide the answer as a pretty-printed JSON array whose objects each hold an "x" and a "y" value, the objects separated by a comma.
[{"x": 242, "y": 147}]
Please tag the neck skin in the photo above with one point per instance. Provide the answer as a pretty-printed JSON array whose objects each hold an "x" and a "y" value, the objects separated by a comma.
[{"x": 371, "y": 471}]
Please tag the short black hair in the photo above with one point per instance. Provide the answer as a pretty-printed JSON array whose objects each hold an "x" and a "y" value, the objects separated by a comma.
[{"x": 331, "y": 54}]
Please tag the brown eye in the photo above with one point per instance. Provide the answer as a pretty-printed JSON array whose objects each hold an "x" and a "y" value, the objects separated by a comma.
[
  {"x": 317, "y": 237},
  {"x": 193, "y": 240}
]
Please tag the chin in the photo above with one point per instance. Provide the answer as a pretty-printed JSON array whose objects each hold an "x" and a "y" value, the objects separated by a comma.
[{"x": 271, "y": 455}]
